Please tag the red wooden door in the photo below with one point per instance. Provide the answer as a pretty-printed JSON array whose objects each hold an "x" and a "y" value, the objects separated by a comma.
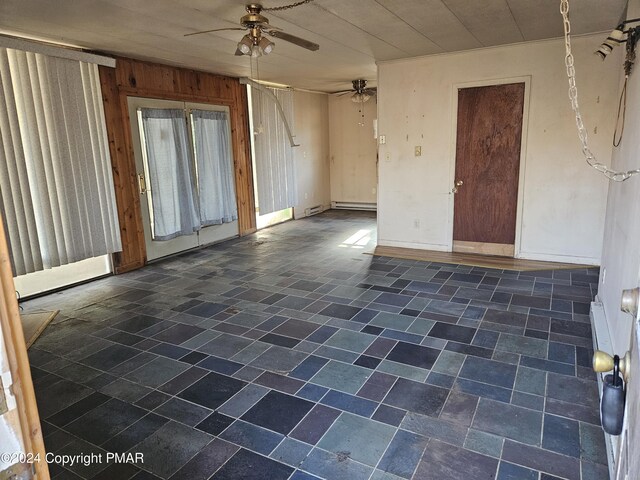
[{"x": 488, "y": 142}]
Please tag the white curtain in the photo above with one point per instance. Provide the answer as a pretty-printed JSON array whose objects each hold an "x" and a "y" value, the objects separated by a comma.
[
  {"x": 171, "y": 173},
  {"x": 274, "y": 155},
  {"x": 216, "y": 187},
  {"x": 56, "y": 187}
]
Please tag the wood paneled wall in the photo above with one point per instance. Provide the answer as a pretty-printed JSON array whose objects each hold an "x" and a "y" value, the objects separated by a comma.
[{"x": 142, "y": 79}]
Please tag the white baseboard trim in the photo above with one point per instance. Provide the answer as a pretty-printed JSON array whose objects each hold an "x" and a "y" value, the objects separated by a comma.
[
  {"x": 340, "y": 205},
  {"x": 545, "y": 257}
]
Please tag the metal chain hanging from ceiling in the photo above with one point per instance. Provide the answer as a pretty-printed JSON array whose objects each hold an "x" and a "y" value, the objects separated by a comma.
[
  {"x": 616, "y": 176},
  {"x": 286, "y": 7}
]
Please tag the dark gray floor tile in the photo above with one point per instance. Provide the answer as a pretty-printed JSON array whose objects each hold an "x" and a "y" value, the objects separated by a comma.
[
  {"x": 278, "y": 412},
  {"x": 520, "y": 424},
  {"x": 180, "y": 441},
  {"x": 329, "y": 465},
  {"x": 182, "y": 411},
  {"x": 279, "y": 359},
  {"x": 403, "y": 454},
  {"x": 178, "y": 334},
  {"x": 251, "y": 466},
  {"x": 110, "y": 357},
  {"x": 452, "y": 332},
  {"x": 207, "y": 461},
  {"x": 79, "y": 408},
  {"x": 136, "y": 433},
  {"x": 337, "y": 310},
  {"x": 315, "y": 424},
  {"x": 157, "y": 372},
  {"x": 561, "y": 435},
  {"x": 509, "y": 471},
  {"x": 415, "y": 355},
  {"x": 296, "y": 329},
  {"x": 489, "y": 371},
  {"x": 347, "y": 432},
  {"x": 542, "y": 460},
  {"x": 105, "y": 421},
  {"x": 215, "y": 423},
  {"x": 417, "y": 397},
  {"x": 212, "y": 390},
  {"x": 445, "y": 461},
  {"x": 349, "y": 403},
  {"x": 252, "y": 437}
]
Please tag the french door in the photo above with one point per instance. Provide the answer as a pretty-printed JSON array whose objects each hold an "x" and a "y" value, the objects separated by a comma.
[{"x": 185, "y": 172}]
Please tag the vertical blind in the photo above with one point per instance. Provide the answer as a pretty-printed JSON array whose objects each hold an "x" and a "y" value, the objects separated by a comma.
[
  {"x": 56, "y": 187},
  {"x": 273, "y": 152}
]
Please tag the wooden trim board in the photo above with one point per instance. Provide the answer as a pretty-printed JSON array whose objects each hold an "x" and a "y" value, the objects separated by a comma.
[
  {"x": 33, "y": 324},
  {"x": 473, "y": 260},
  {"x": 483, "y": 248},
  {"x": 22, "y": 387}
]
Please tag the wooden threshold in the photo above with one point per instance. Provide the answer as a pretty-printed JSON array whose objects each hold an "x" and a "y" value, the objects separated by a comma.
[
  {"x": 473, "y": 260},
  {"x": 482, "y": 248}
]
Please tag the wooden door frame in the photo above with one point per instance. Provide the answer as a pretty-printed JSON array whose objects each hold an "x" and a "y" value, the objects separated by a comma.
[
  {"x": 523, "y": 150},
  {"x": 22, "y": 386}
]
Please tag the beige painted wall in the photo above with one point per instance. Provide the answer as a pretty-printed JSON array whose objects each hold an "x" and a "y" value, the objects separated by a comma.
[
  {"x": 562, "y": 201},
  {"x": 621, "y": 254},
  {"x": 353, "y": 151},
  {"x": 311, "y": 158}
]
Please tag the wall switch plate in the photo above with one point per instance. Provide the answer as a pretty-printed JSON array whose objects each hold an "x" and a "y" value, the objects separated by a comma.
[
  {"x": 383, "y": 139},
  {"x": 418, "y": 150}
]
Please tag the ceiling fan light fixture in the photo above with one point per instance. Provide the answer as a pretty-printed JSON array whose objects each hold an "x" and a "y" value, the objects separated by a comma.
[
  {"x": 360, "y": 97},
  {"x": 266, "y": 45},
  {"x": 245, "y": 45}
]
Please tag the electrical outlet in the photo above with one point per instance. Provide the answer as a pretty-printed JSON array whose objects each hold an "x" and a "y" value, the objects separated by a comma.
[
  {"x": 416, "y": 223},
  {"x": 418, "y": 151},
  {"x": 383, "y": 139}
]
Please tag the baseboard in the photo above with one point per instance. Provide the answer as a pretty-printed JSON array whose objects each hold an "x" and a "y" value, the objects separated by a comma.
[
  {"x": 340, "y": 205},
  {"x": 544, "y": 257}
]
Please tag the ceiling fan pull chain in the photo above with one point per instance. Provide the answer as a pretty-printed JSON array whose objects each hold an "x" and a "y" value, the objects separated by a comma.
[
  {"x": 286, "y": 7},
  {"x": 590, "y": 158}
]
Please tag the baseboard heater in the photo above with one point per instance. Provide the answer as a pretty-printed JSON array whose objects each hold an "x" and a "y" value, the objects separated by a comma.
[
  {"x": 354, "y": 206},
  {"x": 313, "y": 210},
  {"x": 602, "y": 341}
]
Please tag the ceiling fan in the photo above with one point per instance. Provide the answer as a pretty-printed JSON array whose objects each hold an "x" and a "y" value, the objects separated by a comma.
[
  {"x": 255, "y": 43},
  {"x": 360, "y": 92}
]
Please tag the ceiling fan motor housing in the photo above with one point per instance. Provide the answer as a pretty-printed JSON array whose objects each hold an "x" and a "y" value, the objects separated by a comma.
[{"x": 359, "y": 85}]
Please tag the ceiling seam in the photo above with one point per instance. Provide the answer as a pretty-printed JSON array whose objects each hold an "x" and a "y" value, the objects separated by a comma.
[
  {"x": 462, "y": 23},
  {"x": 410, "y": 26},
  {"x": 362, "y": 30},
  {"x": 514, "y": 20},
  {"x": 326, "y": 38}
]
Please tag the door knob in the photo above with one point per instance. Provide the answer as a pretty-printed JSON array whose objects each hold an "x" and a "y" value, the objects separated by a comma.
[
  {"x": 630, "y": 300},
  {"x": 455, "y": 187},
  {"x": 603, "y": 362}
]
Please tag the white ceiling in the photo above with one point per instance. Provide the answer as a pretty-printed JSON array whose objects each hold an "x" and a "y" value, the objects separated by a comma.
[{"x": 353, "y": 34}]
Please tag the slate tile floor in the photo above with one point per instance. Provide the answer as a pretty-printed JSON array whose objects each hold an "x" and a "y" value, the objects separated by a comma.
[{"x": 290, "y": 354}]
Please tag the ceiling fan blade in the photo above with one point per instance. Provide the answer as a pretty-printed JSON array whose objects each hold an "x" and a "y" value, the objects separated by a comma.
[
  {"x": 238, "y": 53},
  {"x": 340, "y": 92},
  {"x": 301, "y": 42},
  {"x": 214, "y": 30},
  {"x": 370, "y": 91}
]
